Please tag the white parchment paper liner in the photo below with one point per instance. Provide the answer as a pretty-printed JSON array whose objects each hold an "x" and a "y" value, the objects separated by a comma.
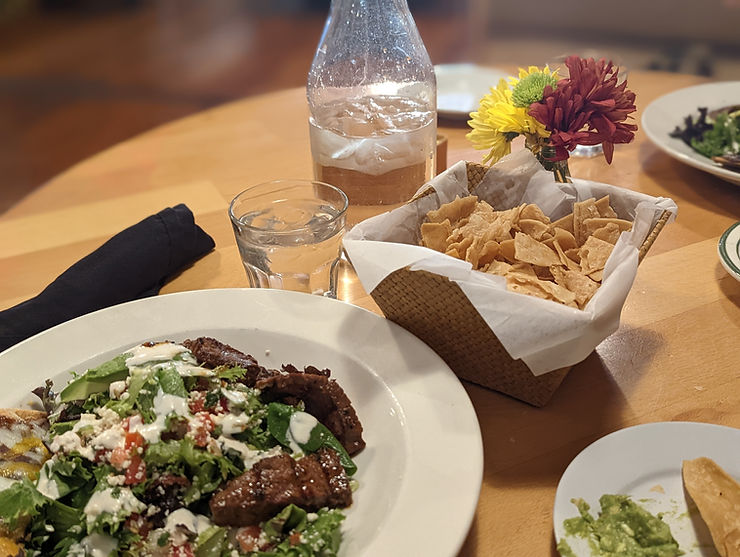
[{"x": 545, "y": 335}]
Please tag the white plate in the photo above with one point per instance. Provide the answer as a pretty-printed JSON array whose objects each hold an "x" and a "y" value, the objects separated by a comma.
[
  {"x": 421, "y": 472},
  {"x": 460, "y": 88},
  {"x": 665, "y": 113},
  {"x": 644, "y": 462},
  {"x": 729, "y": 250}
]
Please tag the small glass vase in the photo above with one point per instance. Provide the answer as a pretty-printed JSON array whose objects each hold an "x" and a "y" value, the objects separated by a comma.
[{"x": 545, "y": 153}]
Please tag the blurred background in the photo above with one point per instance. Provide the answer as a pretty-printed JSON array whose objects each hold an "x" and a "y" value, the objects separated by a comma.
[{"x": 77, "y": 76}]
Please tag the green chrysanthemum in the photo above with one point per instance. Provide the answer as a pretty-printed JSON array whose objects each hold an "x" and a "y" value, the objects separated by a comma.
[{"x": 529, "y": 88}]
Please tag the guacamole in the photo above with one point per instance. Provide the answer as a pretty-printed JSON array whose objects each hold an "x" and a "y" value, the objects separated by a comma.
[{"x": 623, "y": 528}]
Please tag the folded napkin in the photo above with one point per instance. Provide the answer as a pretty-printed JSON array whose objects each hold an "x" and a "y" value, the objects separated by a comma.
[{"x": 135, "y": 263}]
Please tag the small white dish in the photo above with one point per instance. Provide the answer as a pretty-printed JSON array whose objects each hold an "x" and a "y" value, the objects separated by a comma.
[
  {"x": 662, "y": 116},
  {"x": 421, "y": 472},
  {"x": 645, "y": 462},
  {"x": 729, "y": 250},
  {"x": 460, "y": 88}
]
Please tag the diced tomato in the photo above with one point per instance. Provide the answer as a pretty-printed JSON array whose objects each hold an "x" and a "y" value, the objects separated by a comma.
[
  {"x": 248, "y": 538},
  {"x": 185, "y": 550},
  {"x": 295, "y": 538},
  {"x": 201, "y": 427},
  {"x": 133, "y": 439},
  {"x": 197, "y": 402},
  {"x": 136, "y": 471},
  {"x": 119, "y": 457}
]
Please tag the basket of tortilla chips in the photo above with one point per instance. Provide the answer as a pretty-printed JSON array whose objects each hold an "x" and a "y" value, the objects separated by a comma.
[{"x": 511, "y": 277}]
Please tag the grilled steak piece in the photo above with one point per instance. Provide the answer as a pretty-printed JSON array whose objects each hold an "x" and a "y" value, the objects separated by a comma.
[
  {"x": 311, "y": 482},
  {"x": 212, "y": 353},
  {"x": 324, "y": 399}
]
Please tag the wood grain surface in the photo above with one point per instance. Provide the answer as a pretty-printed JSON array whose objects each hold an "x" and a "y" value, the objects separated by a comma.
[{"x": 676, "y": 355}]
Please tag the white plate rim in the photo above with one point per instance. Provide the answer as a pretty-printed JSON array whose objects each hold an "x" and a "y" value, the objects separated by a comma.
[
  {"x": 728, "y": 249},
  {"x": 480, "y": 78},
  {"x": 663, "y": 114},
  {"x": 684, "y": 439},
  {"x": 440, "y": 526}
]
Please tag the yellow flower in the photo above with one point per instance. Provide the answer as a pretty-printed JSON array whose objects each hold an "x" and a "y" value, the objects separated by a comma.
[
  {"x": 497, "y": 122},
  {"x": 532, "y": 70}
]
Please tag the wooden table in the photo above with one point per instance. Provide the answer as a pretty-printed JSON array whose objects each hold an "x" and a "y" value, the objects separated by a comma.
[{"x": 676, "y": 355}]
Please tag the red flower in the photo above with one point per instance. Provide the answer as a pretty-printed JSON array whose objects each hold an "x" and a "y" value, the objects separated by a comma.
[{"x": 587, "y": 108}]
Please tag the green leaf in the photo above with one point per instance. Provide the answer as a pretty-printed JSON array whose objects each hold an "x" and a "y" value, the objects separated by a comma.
[
  {"x": 171, "y": 382},
  {"x": 278, "y": 424},
  {"x": 19, "y": 503},
  {"x": 230, "y": 374},
  {"x": 96, "y": 380},
  {"x": 71, "y": 476},
  {"x": 206, "y": 470},
  {"x": 290, "y": 518},
  {"x": 212, "y": 542},
  {"x": 321, "y": 536}
]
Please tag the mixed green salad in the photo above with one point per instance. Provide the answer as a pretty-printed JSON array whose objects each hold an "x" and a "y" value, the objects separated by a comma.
[
  {"x": 716, "y": 135},
  {"x": 142, "y": 443}
]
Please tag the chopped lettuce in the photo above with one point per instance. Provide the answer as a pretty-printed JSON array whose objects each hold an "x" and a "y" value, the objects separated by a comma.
[
  {"x": 206, "y": 470},
  {"x": 20, "y": 503}
]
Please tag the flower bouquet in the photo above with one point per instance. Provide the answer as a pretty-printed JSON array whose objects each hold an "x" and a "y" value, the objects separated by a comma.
[{"x": 589, "y": 107}]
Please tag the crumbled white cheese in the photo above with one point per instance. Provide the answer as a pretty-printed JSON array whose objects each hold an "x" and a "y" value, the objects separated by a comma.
[
  {"x": 117, "y": 388},
  {"x": 69, "y": 442}
]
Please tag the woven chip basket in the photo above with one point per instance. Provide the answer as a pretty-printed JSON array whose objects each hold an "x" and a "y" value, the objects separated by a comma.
[{"x": 437, "y": 311}]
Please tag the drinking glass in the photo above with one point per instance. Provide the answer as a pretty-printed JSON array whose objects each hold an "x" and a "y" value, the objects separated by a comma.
[{"x": 289, "y": 234}]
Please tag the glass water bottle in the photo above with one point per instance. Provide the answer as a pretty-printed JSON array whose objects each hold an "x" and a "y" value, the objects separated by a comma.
[{"x": 372, "y": 96}]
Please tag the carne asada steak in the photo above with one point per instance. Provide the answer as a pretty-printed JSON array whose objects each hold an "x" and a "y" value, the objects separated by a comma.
[
  {"x": 311, "y": 482},
  {"x": 323, "y": 397},
  {"x": 325, "y": 400}
]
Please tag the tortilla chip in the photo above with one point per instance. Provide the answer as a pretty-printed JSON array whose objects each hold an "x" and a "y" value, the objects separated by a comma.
[
  {"x": 523, "y": 269},
  {"x": 609, "y": 233},
  {"x": 525, "y": 284},
  {"x": 717, "y": 495},
  {"x": 566, "y": 223},
  {"x": 534, "y": 228},
  {"x": 490, "y": 251},
  {"x": 564, "y": 259},
  {"x": 453, "y": 211},
  {"x": 578, "y": 283},
  {"x": 591, "y": 225},
  {"x": 434, "y": 235},
  {"x": 605, "y": 208},
  {"x": 533, "y": 212},
  {"x": 460, "y": 249},
  {"x": 496, "y": 267},
  {"x": 594, "y": 253},
  {"x": 529, "y": 250},
  {"x": 507, "y": 250},
  {"x": 563, "y": 237},
  {"x": 583, "y": 210}
]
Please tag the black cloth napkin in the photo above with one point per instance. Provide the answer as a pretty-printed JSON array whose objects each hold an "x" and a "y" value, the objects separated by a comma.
[{"x": 133, "y": 264}]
